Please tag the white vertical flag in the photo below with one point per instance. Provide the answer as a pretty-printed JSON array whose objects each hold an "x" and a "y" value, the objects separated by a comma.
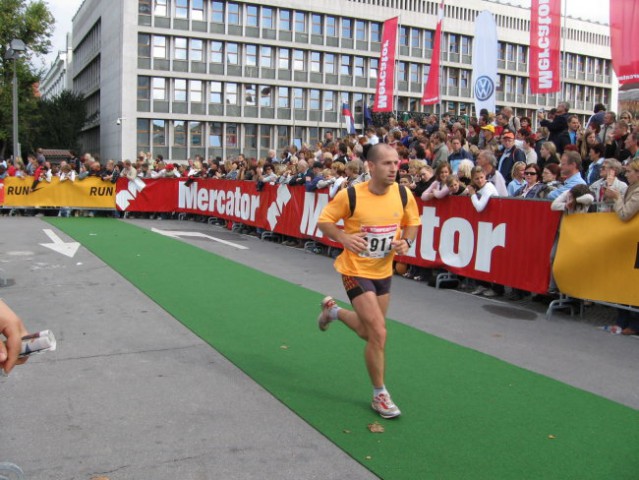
[{"x": 485, "y": 62}]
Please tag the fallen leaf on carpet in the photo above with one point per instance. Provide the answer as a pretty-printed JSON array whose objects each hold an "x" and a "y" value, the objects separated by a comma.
[{"x": 376, "y": 427}]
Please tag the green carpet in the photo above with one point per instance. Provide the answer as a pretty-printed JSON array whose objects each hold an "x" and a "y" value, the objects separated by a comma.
[{"x": 466, "y": 415}]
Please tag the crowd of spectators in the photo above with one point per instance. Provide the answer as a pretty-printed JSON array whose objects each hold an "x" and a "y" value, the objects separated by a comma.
[{"x": 579, "y": 167}]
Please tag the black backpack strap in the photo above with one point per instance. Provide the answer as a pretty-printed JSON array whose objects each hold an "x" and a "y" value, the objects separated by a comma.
[
  {"x": 404, "y": 194},
  {"x": 352, "y": 199}
]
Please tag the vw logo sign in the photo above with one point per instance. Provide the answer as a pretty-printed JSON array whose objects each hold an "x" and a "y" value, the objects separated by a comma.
[{"x": 484, "y": 88}]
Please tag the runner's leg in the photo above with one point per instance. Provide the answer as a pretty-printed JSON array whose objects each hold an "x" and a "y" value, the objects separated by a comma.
[{"x": 370, "y": 312}]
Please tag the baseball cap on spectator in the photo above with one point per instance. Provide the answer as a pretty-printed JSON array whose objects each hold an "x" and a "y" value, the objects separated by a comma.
[
  {"x": 490, "y": 128},
  {"x": 508, "y": 134},
  {"x": 318, "y": 165}
]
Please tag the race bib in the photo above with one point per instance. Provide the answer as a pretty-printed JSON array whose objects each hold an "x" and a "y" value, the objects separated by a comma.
[{"x": 379, "y": 240}]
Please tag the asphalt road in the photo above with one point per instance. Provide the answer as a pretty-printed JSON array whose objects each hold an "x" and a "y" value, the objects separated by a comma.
[{"x": 132, "y": 394}]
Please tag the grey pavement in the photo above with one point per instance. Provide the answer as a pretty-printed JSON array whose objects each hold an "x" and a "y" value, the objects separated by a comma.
[{"x": 132, "y": 394}]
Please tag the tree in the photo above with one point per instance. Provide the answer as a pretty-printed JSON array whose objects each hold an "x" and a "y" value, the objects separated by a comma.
[
  {"x": 32, "y": 23},
  {"x": 61, "y": 119}
]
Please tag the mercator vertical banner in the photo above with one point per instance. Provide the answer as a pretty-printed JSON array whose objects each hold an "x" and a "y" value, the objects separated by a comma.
[
  {"x": 385, "y": 92},
  {"x": 485, "y": 62},
  {"x": 545, "y": 46},
  {"x": 624, "y": 18},
  {"x": 431, "y": 90}
]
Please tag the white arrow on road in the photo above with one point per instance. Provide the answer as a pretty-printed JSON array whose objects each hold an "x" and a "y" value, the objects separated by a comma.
[
  {"x": 65, "y": 248},
  {"x": 176, "y": 234}
]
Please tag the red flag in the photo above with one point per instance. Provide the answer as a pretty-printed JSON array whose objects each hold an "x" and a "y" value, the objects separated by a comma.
[
  {"x": 385, "y": 92},
  {"x": 545, "y": 46},
  {"x": 431, "y": 89},
  {"x": 624, "y": 15}
]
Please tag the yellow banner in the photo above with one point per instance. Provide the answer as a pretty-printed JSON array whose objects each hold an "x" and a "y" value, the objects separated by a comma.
[
  {"x": 88, "y": 193},
  {"x": 598, "y": 258}
]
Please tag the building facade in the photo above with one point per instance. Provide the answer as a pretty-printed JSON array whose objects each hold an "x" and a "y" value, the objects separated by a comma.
[
  {"x": 217, "y": 78},
  {"x": 58, "y": 77}
]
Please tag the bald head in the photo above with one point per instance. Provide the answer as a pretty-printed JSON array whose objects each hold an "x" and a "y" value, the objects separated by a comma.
[{"x": 378, "y": 151}]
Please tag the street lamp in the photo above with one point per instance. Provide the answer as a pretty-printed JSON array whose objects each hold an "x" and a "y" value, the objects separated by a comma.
[{"x": 13, "y": 53}]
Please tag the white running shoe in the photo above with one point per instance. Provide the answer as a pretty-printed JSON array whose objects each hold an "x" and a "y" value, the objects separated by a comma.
[
  {"x": 383, "y": 404},
  {"x": 324, "y": 318}
]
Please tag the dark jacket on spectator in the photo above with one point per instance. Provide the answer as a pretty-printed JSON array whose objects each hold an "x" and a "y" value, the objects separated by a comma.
[{"x": 558, "y": 125}]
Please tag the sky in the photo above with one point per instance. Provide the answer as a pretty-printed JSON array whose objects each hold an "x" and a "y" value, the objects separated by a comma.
[{"x": 63, "y": 11}]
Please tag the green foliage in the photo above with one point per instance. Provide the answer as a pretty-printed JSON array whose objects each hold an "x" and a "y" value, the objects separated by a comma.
[
  {"x": 32, "y": 23},
  {"x": 61, "y": 120}
]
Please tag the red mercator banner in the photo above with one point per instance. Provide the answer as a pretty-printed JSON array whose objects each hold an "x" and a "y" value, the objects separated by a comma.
[
  {"x": 624, "y": 18},
  {"x": 385, "y": 91},
  {"x": 508, "y": 243},
  {"x": 431, "y": 89},
  {"x": 545, "y": 46}
]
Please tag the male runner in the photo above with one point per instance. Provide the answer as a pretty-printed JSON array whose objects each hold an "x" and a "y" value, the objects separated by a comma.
[{"x": 372, "y": 235}]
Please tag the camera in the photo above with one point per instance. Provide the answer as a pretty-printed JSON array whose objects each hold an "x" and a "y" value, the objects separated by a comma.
[{"x": 118, "y": 121}]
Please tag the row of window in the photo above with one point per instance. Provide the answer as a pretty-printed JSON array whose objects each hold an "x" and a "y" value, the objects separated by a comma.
[{"x": 231, "y": 53}]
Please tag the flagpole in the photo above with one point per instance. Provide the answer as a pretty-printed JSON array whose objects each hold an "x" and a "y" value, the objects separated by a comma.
[
  {"x": 564, "y": 67},
  {"x": 396, "y": 92}
]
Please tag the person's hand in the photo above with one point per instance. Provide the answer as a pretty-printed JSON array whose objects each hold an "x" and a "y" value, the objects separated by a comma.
[
  {"x": 470, "y": 190},
  {"x": 355, "y": 242},
  {"x": 610, "y": 178},
  {"x": 13, "y": 329},
  {"x": 611, "y": 194},
  {"x": 400, "y": 246}
]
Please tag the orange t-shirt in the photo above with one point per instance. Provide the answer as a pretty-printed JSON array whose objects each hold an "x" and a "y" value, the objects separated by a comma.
[{"x": 382, "y": 217}]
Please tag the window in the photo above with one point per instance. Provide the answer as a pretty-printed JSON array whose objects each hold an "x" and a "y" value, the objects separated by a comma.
[
  {"x": 197, "y": 10},
  {"x": 234, "y": 13},
  {"x": 285, "y": 20},
  {"x": 181, "y": 8},
  {"x": 266, "y": 57},
  {"x": 401, "y": 71},
  {"x": 282, "y": 136},
  {"x": 231, "y": 135},
  {"x": 331, "y": 26},
  {"x": 250, "y": 136},
  {"x": 215, "y": 95},
  {"x": 217, "y": 51},
  {"x": 298, "y": 60},
  {"x": 522, "y": 54},
  {"x": 403, "y": 36},
  {"x": 373, "y": 67},
  {"x": 159, "y": 133},
  {"x": 466, "y": 45},
  {"x": 179, "y": 133},
  {"x": 196, "y": 91},
  {"x": 376, "y": 32},
  {"x": 329, "y": 101},
  {"x": 314, "y": 99},
  {"x": 359, "y": 67},
  {"x": 510, "y": 52},
  {"x": 144, "y": 7},
  {"x": 298, "y": 98},
  {"x": 268, "y": 17},
  {"x": 252, "y": 16},
  {"x": 143, "y": 133},
  {"x": 197, "y": 50},
  {"x": 347, "y": 28},
  {"x": 231, "y": 94},
  {"x": 428, "y": 39},
  {"x": 265, "y": 136},
  {"x": 159, "y": 88},
  {"x": 159, "y": 47},
  {"x": 144, "y": 45},
  {"x": 144, "y": 88},
  {"x": 283, "y": 97},
  {"x": 217, "y": 12},
  {"x": 316, "y": 24},
  {"x": 345, "y": 65},
  {"x": 179, "y": 90},
  {"x": 180, "y": 51},
  {"x": 360, "y": 30},
  {"x": 300, "y": 22},
  {"x": 195, "y": 133},
  {"x": 316, "y": 62},
  {"x": 249, "y": 95},
  {"x": 453, "y": 43},
  {"x": 232, "y": 54},
  {"x": 215, "y": 134},
  {"x": 266, "y": 96},
  {"x": 414, "y": 73},
  {"x": 284, "y": 59},
  {"x": 160, "y": 8},
  {"x": 464, "y": 81},
  {"x": 251, "y": 55},
  {"x": 329, "y": 63},
  {"x": 453, "y": 77},
  {"x": 415, "y": 41}
]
